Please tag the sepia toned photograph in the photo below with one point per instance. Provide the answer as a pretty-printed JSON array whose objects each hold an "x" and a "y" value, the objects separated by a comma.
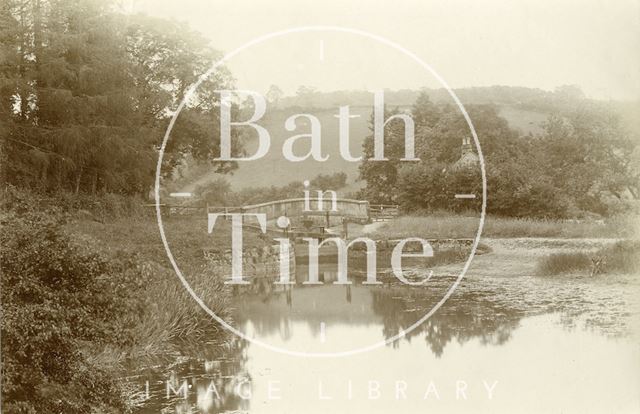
[{"x": 339, "y": 206}]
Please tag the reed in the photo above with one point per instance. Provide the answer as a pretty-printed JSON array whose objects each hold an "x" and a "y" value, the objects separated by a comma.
[{"x": 620, "y": 257}]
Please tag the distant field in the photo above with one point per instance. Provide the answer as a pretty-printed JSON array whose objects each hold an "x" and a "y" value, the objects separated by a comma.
[
  {"x": 273, "y": 169},
  {"x": 524, "y": 120}
]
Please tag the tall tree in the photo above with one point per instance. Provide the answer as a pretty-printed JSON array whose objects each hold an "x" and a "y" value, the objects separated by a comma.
[{"x": 88, "y": 93}]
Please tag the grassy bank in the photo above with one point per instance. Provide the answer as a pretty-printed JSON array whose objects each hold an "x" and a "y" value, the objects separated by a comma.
[
  {"x": 458, "y": 226},
  {"x": 172, "y": 314}
]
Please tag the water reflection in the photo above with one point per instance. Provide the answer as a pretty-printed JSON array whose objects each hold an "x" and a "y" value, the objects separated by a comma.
[
  {"x": 212, "y": 379},
  {"x": 484, "y": 332},
  {"x": 265, "y": 308},
  {"x": 462, "y": 319}
]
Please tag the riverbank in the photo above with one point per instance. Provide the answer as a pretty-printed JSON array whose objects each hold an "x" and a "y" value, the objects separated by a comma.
[
  {"x": 176, "y": 315},
  {"x": 172, "y": 314},
  {"x": 171, "y": 321},
  {"x": 521, "y": 256},
  {"x": 175, "y": 319}
]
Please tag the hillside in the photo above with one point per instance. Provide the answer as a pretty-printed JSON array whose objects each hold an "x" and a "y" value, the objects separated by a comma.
[
  {"x": 525, "y": 109},
  {"x": 273, "y": 169}
]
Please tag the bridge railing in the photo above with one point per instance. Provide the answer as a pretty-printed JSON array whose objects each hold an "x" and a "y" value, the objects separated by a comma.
[
  {"x": 293, "y": 207},
  {"x": 296, "y": 207},
  {"x": 383, "y": 211}
]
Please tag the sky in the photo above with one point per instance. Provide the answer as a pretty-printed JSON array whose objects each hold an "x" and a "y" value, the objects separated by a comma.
[{"x": 532, "y": 43}]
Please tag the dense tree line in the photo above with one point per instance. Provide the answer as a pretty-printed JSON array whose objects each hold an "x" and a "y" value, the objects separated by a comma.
[
  {"x": 86, "y": 93},
  {"x": 514, "y": 96},
  {"x": 585, "y": 162}
]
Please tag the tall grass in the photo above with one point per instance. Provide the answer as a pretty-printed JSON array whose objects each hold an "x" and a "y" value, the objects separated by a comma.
[
  {"x": 621, "y": 257},
  {"x": 171, "y": 314},
  {"x": 99, "y": 207},
  {"x": 458, "y": 226},
  {"x": 565, "y": 262}
]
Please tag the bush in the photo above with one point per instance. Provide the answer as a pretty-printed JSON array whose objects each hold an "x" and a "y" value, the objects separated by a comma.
[{"x": 62, "y": 304}]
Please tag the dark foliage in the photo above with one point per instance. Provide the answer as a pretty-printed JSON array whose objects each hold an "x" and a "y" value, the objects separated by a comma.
[
  {"x": 62, "y": 304},
  {"x": 583, "y": 164},
  {"x": 84, "y": 99}
]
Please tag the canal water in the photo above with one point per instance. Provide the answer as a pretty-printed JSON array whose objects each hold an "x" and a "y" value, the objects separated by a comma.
[{"x": 564, "y": 344}]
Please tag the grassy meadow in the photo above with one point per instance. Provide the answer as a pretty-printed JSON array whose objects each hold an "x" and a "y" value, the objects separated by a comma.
[
  {"x": 274, "y": 169},
  {"x": 447, "y": 225},
  {"x": 187, "y": 236}
]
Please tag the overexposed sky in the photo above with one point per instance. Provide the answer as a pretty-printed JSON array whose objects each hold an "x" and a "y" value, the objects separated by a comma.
[{"x": 533, "y": 43}]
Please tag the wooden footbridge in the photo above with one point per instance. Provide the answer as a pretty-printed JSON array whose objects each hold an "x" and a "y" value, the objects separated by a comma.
[
  {"x": 353, "y": 210},
  {"x": 330, "y": 210}
]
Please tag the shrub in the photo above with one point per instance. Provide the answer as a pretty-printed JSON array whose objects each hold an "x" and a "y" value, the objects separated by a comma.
[{"x": 62, "y": 304}]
